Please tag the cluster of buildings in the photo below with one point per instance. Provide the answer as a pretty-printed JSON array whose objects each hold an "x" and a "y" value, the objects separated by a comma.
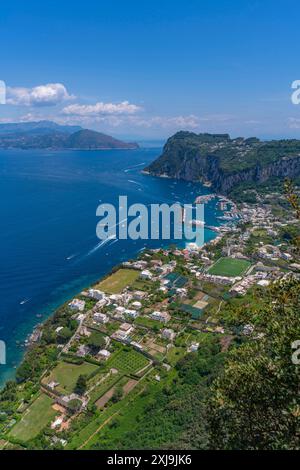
[
  {"x": 128, "y": 305},
  {"x": 273, "y": 253},
  {"x": 225, "y": 280},
  {"x": 241, "y": 287},
  {"x": 128, "y": 317}
]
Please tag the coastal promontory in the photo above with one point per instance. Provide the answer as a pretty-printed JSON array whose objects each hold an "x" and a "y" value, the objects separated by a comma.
[
  {"x": 224, "y": 163},
  {"x": 49, "y": 135}
]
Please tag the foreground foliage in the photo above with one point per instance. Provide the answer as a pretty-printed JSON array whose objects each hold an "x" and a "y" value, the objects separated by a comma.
[{"x": 256, "y": 403}]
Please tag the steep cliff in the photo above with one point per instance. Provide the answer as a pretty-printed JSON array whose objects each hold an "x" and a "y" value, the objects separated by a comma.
[{"x": 224, "y": 163}]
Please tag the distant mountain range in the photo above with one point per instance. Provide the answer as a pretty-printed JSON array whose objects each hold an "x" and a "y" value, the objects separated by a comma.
[
  {"x": 224, "y": 163},
  {"x": 50, "y": 135}
]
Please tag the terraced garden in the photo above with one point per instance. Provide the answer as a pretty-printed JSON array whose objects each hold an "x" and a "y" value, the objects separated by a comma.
[{"x": 128, "y": 361}]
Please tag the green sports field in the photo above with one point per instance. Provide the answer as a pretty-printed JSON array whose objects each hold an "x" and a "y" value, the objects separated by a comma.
[
  {"x": 115, "y": 283},
  {"x": 34, "y": 419},
  {"x": 229, "y": 267}
]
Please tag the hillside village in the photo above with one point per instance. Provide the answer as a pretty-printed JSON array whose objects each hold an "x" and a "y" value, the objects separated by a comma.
[{"x": 127, "y": 333}]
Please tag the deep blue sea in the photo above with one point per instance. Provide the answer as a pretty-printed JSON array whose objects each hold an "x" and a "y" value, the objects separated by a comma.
[{"x": 48, "y": 245}]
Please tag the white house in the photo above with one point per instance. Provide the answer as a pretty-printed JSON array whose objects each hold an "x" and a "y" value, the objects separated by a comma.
[
  {"x": 121, "y": 335},
  {"x": 83, "y": 350},
  {"x": 146, "y": 274},
  {"x": 163, "y": 289},
  {"x": 140, "y": 264},
  {"x": 139, "y": 294},
  {"x": 100, "y": 317},
  {"x": 80, "y": 317},
  {"x": 115, "y": 298},
  {"x": 77, "y": 304},
  {"x": 57, "y": 422},
  {"x": 53, "y": 384},
  {"x": 131, "y": 313},
  {"x": 160, "y": 316},
  {"x": 136, "y": 304},
  {"x": 120, "y": 309},
  {"x": 126, "y": 327},
  {"x": 168, "y": 334},
  {"x": 96, "y": 294},
  {"x": 263, "y": 282},
  {"x": 181, "y": 291},
  {"x": 104, "y": 354},
  {"x": 101, "y": 303}
]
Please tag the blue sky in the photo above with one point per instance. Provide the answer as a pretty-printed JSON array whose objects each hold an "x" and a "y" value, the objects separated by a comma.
[{"x": 145, "y": 69}]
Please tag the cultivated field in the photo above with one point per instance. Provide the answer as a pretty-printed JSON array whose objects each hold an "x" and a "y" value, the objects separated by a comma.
[
  {"x": 115, "y": 283},
  {"x": 128, "y": 361},
  {"x": 35, "y": 418},
  {"x": 229, "y": 267},
  {"x": 148, "y": 322}
]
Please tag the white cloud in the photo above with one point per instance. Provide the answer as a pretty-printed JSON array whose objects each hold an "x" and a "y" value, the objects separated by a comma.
[
  {"x": 121, "y": 120},
  {"x": 187, "y": 122},
  {"x": 42, "y": 95},
  {"x": 294, "y": 123},
  {"x": 6, "y": 120},
  {"x": 183, "y": 122},
  {"x": 253, "y": 122},
  {"x": 101, "y": 108},
  {"x": 217, "y": 118},
  {"x": 30, "y": 117}
]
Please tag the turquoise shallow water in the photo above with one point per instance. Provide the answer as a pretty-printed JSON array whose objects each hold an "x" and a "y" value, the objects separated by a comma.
[{"x": 48, "y": 245}]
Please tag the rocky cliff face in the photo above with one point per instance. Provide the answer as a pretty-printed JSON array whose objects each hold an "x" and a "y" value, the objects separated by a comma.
[
  {"x": 226, "y": 163},
  {"x": 284, "y": 168}
]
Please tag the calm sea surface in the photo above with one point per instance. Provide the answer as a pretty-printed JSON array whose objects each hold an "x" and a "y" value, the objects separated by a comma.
[{"x": 48, "y": 245}]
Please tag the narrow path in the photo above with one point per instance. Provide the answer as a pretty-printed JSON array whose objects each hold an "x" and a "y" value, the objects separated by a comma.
[
  {"x": 98, "y": 429},
  {"x": 107, "y": 421},
  {"x": 219, "y": 308}
]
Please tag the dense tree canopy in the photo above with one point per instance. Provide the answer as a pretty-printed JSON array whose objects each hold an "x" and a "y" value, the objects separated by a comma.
[{"x": 256, "y": 402}]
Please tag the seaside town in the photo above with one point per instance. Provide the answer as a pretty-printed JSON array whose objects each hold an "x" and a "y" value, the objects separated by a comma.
[
  {"x": 125, "y": 336},
  {"x": 150, "y": 237}
]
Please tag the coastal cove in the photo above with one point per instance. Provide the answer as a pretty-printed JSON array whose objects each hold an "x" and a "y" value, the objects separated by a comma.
[{"x": 49, "y": 248}]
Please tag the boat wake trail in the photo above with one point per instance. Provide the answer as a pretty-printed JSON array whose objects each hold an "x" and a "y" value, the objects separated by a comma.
[
  {"x": 114, "y": 241},
  {"x": 71, "y": 256},
  {"x": 134, "y": 166},
  {"x": 135, "y": 182},
  {"x": 100, "y": 245}
]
